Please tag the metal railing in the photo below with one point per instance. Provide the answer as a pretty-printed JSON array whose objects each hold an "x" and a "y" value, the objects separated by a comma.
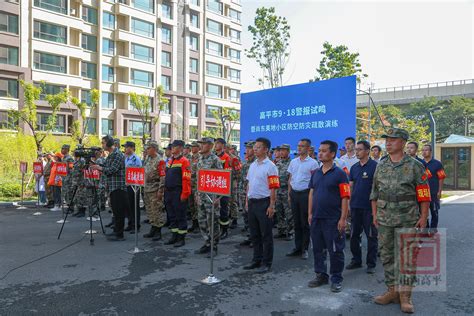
[{"x": 424, "y": 86}]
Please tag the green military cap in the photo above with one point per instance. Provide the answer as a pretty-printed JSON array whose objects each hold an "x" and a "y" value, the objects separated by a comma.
[
  {"x": 234, "y": 147},
  {"x": 206, "y": 140},
  {"x": 161, "y": 152},
  {"x": 117, "y": 141},
  {"x": 396, "y": 133},
  {"x": 153, "y": 144},
  {"x": 195, "y": 144},
  {"x": 66, "y": 146},
  {"x": 284, "y": 146},
  {"x": 249, "y": 144}
]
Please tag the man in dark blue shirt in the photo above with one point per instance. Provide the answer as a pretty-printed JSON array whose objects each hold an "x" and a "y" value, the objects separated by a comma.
[
  {"x": 436, "y": 176},
  {"x": 327, "y": 214},
  {"x": 361, "y": 177}
]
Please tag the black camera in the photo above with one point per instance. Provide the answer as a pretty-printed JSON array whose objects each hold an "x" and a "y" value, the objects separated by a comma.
[{"x": 87, "y": 153}]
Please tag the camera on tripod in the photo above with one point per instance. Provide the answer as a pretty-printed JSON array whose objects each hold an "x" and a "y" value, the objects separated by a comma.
[{"x": 87, "y": 153}]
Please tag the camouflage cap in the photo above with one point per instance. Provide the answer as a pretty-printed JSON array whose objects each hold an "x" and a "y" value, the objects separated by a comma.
[
  {"x": 153, "y": 144},
  {"x": 66, "y": 146},
  {"x": 234, "y": 147},
  {"x": 285, "y": 146},
  {"x": 206, "y": 140},
  {"x": 194, "y": 144},
  {"x": 117, "y": 141},
  {"x": 249, "y": 144},
  {"x": 396, "y": 133},
  {"x": 188, "y": 146}
]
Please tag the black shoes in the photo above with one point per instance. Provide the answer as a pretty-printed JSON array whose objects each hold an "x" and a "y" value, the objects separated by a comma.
[
  {"x": 264, "y": 269},
  {"x": 179, "y": 241},
  {"x": 319, "y": 280},
  {"x": 173, "y": 239},
  {"x": 194, "y": 228},
  {"x": 304, "y": 255},
  {"x": 115, "y": 237},
  {"x": 204, "y": 249},
  {"x": 370, "y": 270},
  {"x": 294, "y": 253},
  {"x": 157, "y": 235},
  {"x": 253, "y": 265},
  {"x": 353, "y": 265},
  {"x": 336, "y": 287},
  {"x": 153, "y": 231}
]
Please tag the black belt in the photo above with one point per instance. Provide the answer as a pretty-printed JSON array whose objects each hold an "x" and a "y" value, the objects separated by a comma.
[
  {"x": 258, "y": 200},
  {"x": 173, "y": 189},
  {"x": 397, "y": 198},
  {"x": 302, "y": 191}
]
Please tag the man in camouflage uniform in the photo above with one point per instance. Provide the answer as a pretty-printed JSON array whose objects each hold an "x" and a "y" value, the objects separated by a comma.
[
  {"x": 67, "y": 189},
  {"x": 243, "y": 186},
  {"x": 101, "y": 189},
  {"x": 400, "y": 190},
  {"x": 283, "y": 209},
  {"x": 47, "y": 173},
  {"x": 187, "y": 152},
  {"x": 79, "y": 199},
  {"x": 233, "y": 202},
  {"x": 193, "y": 208},
  {"x": 155, "y": 170},
  {"x": 208, "y": 160}
]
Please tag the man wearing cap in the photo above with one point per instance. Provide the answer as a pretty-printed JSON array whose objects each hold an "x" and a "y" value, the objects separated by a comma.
[
  {"x": 47, "y": 173},
  {"x": 187, "y": 152},
  {"x": 283, "y": 209},
  {"x": 67, "y": 189},
  {"x": 233, "y": 204},
  {"x": 78, "y": 184},
  {"x": 208, "y": 160},
  {"x": 400, "y": 185},
  {"x": 155, "y": 171},
  {"x": 276, "y": 152},
  {"x": 224, "y": 201},
  {"x": 193, "y": 206},
  {"x": 177, "y": 191},
  {"x": 132, "y": 160},
  {"x": 250, "y": 154}
]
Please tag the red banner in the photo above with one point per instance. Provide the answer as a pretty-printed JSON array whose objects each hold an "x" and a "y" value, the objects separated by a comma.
[
  {"x": 135, "y": 176},
  {"x": 38, "y": 168},
  {"x": 23, "y": 167},
  {"x": 91, "y": 174},
  {"x": 61, "y": 169},
  {"x": 215, "y": 181}
]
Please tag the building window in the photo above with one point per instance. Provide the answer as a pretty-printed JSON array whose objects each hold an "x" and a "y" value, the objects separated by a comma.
[
  {"x": 194, "y": 42},
  {"x": 167, "y": 10},
  {"x": 142, "y": 53},
  {"x": 86, "y": 97},
  {"x": 193, "y": 87},
  {"x": 49, "y": 32},
  {"x": 47, "y": 88},
  {"x": 145, "y": 5},
  {"x": 234, "y": 55},
  {"x": 214, "y": 48},
  {"x": 193, "y": 109},
  {"x": 214, "y": 70},
  {"x": 193, "y": 65},
  {"x": 234, "y": 75},
  {"x": 194, "y": 16},
  {"x": 142, "y": 78},
  {"x": 214, "y": 6},
  {"x": 210, "y": 110},
  {"x": 7, "y": 121},
  {"x": 89, "y": 42},
  {"x": 60, "y": 126},
  {"x": 8, "y": 23},
  {"x": 59, "y": 6},
  {"x": 108, "y": 20},
  {"x": 234, "y": 15},
  {"x": 108, "y": 46},
  {"x": 107, "y": 73},
  {"x": 165, "y": 130},
  {"x": 9, "y": 88},
  {"x": 143, "y": 28},
  {"x": 89, "y": 70},
  {"x": 195, "y": 2},
  {"x": 214, "y": 27},
  {"x": 47, "y": 62},
  {"x": 132, "y": 107},
  {"x": 234, "y": 36},
  {"x": 235, "y": 136},
  {"x": 166, "y": 35},
  {"x": 214, "y": 91},
  {"x": 107, "y": 127},
  {"x": 165, "y": 59},
  {"x": 193, "y": 132},
  {"x": 166, "y": 108},
  {"x": 234, "y": 95},
  {"x": 8, "y": 55},
  {"x": 166, "y": 82},
  {"x": 89, "y": 14},
  {"x": 107, "y": 100},
  {"x": 91, "y": 127},
  {"x": 135, "y": 128}
]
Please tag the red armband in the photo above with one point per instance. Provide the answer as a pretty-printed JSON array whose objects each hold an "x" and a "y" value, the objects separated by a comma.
[
  {"x": 344, "y": 190},
  {"x": 237, "y": 165},
  {"x": 273, "y": 182},
  {"x": 162, "y": 168},
  {"x": 346, "y": 170},
  {"x": 71, "y": 165},
  {"x": 428, "y": 173},
  {"x": 423, "y": 193},
  {"x": 441, "y": 174}
]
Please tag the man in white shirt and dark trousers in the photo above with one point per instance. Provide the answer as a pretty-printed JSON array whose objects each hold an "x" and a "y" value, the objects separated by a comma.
[
  {"x": 300, "y": 170},
  {"x": 263, "y": 180}
]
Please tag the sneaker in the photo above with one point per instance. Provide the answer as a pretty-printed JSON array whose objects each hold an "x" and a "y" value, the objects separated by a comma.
[
  {"x": 370, "y": 270},
  {"x": 336, "y": 287}
]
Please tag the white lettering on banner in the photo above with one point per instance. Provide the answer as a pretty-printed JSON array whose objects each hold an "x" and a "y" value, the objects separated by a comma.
[
  {"x": 294, "y": 111},
  {"x": 212, "y": 181},
  {"x": 295, "y": 126}
]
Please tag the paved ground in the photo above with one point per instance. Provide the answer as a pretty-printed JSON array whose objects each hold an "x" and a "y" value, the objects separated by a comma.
[{"x": 106, "y": 280}]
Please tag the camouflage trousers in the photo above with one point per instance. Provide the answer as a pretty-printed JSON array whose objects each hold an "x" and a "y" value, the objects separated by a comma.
[
  {"x": 49, "y": 190},
  {"x": 205, "y": 218},
  {"x": 243, "y": 197},
  {"x": 284, "y": 213},
  {"x": 83, "y": 197},
  {"x": 155, "y": 209},
  {"x": 67, "y": 189},
  {"x": 102, "y": 197},
  {"x": 193, "y": 209},
  {"x": 390, "y": 250},
  {"x": 234, "y": 202}
]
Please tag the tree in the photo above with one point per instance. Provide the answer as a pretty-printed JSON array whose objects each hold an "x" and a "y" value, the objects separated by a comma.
[
  {"x": 226, "y": 118},
  {"x": 28, "y": 114},
  {"x": 270, "y": 49},
  {"x": 338, "y": 62},
  {"x": 78, "y": 131},
  {"x": 144, "y": 107}
]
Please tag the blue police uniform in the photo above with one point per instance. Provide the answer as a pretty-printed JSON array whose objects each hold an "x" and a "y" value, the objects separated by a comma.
[
  {"x": 326, "y": 214},
  {"x": 435, "y": 172},
  {"x": 362, "y": 177}
]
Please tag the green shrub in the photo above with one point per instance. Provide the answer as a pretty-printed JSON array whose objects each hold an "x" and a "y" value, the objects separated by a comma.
[{"x": 10, "y": 189}]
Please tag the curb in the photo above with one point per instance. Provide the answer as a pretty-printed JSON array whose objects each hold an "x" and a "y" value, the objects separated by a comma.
[{"x": 454, "y": 198}]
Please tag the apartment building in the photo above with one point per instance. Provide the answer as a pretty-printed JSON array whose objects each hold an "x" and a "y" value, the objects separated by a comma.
[{"x": 190, "y": 47}]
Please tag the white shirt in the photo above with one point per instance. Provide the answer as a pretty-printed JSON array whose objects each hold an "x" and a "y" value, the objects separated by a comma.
[
  {"x": 257, "y": 176},
  {"x": 301, "y": 171},
  {"x": 349, "y": 161}
]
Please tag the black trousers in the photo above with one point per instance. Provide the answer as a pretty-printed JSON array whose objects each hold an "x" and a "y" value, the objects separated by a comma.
[
  {"x": 261, "y": 230},
  {"x": 120, "y": 206},
  {"x": 131, "y": 202},
  {"x": 362, "y": 221},
  {"x": 176, "y": 211},
  {"x": 299, "y": 207},
  {"x": 224, "y": 211}
]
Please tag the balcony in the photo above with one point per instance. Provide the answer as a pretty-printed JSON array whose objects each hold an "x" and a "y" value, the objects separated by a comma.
[
  {"x": 124, "y": 9},
  {"x": 122, "y": 61},
  {"x": 122, "y": 35},
  {"x": 122, "y": 87}
]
